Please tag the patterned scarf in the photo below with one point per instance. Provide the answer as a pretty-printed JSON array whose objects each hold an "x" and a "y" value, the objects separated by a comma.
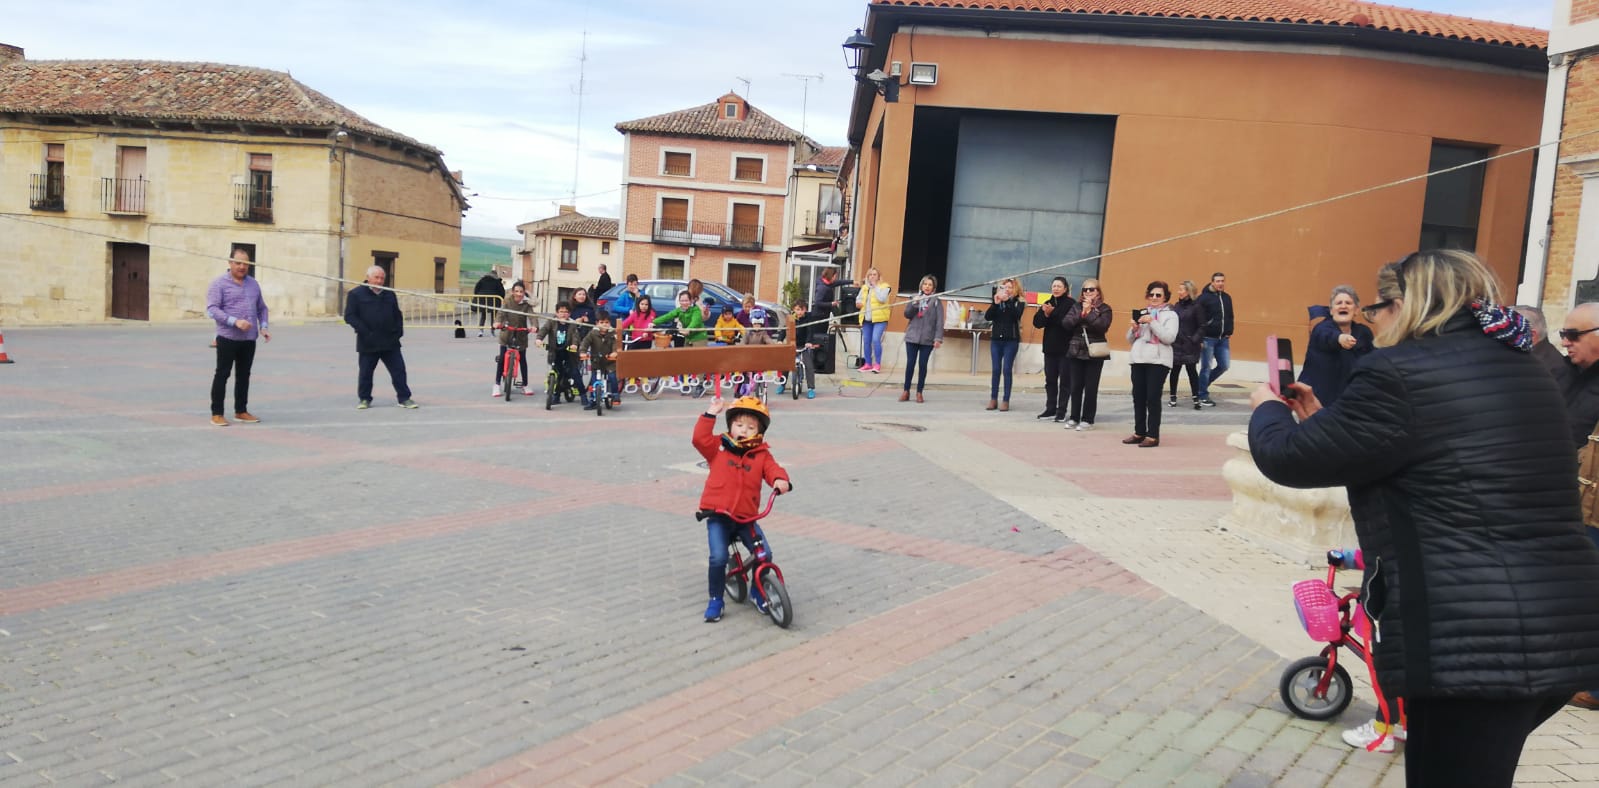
[{"x": 1503, "y": 324}]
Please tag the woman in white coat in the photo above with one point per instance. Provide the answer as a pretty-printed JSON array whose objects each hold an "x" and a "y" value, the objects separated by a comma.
[{"x": 1152, "y": 331}]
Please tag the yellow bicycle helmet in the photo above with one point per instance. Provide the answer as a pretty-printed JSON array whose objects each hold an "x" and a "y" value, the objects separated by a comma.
[{"x": 753, "y": 407}]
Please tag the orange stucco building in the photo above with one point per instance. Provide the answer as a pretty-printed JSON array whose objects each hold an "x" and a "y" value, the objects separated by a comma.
[{"x": 1051, "y": 134}]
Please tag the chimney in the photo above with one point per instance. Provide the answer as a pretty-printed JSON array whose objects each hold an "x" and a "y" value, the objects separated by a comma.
[
  {"x": 566, "y": 209},
  {"x": 9, "y": 53}
]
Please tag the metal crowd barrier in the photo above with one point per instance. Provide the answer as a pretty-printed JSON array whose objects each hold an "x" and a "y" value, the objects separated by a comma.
[{"x": 441, "y": 310}]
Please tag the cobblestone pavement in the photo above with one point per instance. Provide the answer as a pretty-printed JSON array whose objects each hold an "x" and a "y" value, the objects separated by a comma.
[{"x": 486, "y": 593}]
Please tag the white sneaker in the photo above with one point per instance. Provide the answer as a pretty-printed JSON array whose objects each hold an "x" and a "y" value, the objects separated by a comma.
[
  {"x": 1085, "y": 426},
  {"x": 527, "y": 391},
  {"x": 480, "y": 333},
  {"x": 1070, "y": 423},
  {"x": 1361, "y": 737},
  {"x": 495, "y": 392}
]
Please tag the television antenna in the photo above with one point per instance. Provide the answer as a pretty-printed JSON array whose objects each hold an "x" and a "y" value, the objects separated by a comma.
[
  {"x": 805, "y": 97},
  {"x": 746, "y": 87}
]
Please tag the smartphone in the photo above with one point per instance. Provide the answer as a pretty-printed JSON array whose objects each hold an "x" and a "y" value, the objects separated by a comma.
[
  {"x": 1280, "y": 366},
  {"x": 1138, "y": 313}
]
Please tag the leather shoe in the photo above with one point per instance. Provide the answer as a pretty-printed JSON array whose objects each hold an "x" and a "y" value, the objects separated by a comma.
[
  {"x": 1004, "y": 406},
  {"x": 246, "y": 418},
  {"x": 1047, "y": 414},
  {"x": 219, "y": 421},
  {"x": 1132, "y": 439},
  {"x": 904, "y": 395},
  {"x": 992, "y": 405},
  {"x": 1149, "y": 443},
  {"x": 918, "y": 396},
  {"x": 1584, "y": 700}
]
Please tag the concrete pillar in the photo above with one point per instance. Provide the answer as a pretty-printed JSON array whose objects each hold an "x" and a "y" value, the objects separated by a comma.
[{"x": 1299, "y": 525}]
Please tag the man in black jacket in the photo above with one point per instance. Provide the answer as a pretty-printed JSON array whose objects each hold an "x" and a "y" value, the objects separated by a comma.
[
  {"x": 1216, "y": 319},
  {"x": 1580, "y": 383},
  {"x": 490, "y": 295},
  {"x": 374, "y": 313}
]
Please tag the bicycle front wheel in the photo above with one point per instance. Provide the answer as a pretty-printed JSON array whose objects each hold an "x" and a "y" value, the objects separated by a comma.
[
  {"x": 554, "y": 391},
  {"x": 794, "y": 379},
  {"x": 777, "y": 604}
]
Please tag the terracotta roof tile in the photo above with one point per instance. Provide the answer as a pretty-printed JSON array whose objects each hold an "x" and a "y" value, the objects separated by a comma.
[
  {"x": 591, "y": 226},
  {"x": 706, "y": 121},
  {"x": 1312, "y": 12},
  {"x": 828, "y": 156},
  {"x": 171, "y": 91}
]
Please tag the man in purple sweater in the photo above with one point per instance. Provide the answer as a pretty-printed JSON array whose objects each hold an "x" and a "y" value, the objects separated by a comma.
[{"x": 234, "y": 302}]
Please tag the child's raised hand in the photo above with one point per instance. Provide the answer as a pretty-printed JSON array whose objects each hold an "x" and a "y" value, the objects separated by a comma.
[{"x": 716, "y": 406}]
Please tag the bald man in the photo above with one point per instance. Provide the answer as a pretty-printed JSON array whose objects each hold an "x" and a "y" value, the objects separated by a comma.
[{"x": 1580, "y": 338}]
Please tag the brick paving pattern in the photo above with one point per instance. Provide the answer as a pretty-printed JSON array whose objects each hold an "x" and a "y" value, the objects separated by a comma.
[{"x": 482, "y": 593}]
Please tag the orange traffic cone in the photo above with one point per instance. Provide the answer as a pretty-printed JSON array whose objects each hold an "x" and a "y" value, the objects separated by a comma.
[{"x": 4, "y": 359}]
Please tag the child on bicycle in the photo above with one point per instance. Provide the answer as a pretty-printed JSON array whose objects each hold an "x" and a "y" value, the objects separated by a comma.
[
  {"x": 599, "y": 348},
  {"x": 740, "y": 462},
  {"x": 727, "y": 329},
  {"x": 756, "y": 335},
  {"x": 807, "y": 338},
  {"x": 516, "y": 314},
  {"x": 559, "y": 338}
]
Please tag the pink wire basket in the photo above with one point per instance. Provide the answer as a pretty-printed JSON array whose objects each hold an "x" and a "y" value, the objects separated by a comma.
[{"x": 1318, "y": 610}]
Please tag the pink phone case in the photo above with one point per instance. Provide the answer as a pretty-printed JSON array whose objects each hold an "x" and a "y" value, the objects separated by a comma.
[{"x": 1280, "y": 365}]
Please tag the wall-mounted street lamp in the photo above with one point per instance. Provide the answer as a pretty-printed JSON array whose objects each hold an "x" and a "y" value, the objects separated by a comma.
[{"x": 856, "y": 49}]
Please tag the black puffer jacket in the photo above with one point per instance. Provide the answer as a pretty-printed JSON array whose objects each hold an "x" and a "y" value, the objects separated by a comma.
[
  {"x": 1462, "y": 486},
  {"x": 1190, "y": 335}
]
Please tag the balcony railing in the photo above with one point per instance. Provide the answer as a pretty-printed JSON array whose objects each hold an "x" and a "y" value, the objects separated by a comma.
[
  {"x": 251, "y": 204},
  {"x": 122, "y": 195},
  {"x": 711, "y": 234},
  {"x": 46, "y": 193}
]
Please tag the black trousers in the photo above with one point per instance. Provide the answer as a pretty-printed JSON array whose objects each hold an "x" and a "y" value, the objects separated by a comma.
[
  {"x": 233, "y": 356},
  {"x": 393, "y": 362},
  {"x": 1468, "y": 741},
  {"x": 1057, "y": 382},
  {"x": 1193, "y": 378},
  {"x": 1085, "y": 388},
  {"x": 1147, "y": 380}
]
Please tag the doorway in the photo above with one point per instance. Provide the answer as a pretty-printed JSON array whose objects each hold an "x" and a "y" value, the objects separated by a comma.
[{"x": 130, "y": 281}]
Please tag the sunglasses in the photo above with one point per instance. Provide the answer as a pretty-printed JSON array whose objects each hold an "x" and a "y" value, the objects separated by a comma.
[
  {"x": 1155, "y": 294},
  {"x": 1573, "y": 334},
  {"x": 1371, "y": 312},
  {"x": 1090, "y": 289}
]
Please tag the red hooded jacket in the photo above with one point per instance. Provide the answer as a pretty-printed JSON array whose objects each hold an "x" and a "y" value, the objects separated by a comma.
[{"x": 734, "y": 486}]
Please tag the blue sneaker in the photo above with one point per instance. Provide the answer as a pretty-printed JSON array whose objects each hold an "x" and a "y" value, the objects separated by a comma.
[
  {"x": 810, "y": 394},
  {"x": 780, "y": 388},
  {"x": 713, "y": 611},
  {"x": 758, "y": 599}
]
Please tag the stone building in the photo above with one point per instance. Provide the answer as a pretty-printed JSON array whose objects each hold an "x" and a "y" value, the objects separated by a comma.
[
  {"x": 125, "y": 185},
  {"x": 563, "y": 253}
]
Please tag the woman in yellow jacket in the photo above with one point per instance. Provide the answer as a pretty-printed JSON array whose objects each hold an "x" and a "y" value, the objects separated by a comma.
[{"x": 873, "y": 303}]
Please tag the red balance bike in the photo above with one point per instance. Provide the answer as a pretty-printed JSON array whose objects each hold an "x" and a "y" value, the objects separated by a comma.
[
  {"x": 758, "y": 568},
  {"x": 1318, "y": 688},
  {"x": 510, "y": 363}
]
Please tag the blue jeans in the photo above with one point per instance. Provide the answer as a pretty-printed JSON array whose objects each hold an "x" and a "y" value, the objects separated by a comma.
[
  {"x": 1213, "y": 363},
  {"x": 720, "y": 532},
  {"x": 916, "y": 354},
  {"x": 872, "y": 343},
  {"x": 1001, "y": 357}
]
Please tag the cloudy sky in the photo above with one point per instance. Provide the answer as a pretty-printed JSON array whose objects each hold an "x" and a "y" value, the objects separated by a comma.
[{"x": 494, "y": 83}]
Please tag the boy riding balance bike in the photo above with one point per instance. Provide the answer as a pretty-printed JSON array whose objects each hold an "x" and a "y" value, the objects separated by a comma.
[{"x": 740, "y": 463}]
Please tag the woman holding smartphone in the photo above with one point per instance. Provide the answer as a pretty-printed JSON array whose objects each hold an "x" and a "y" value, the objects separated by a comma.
[
  {"x": 1152, "y": 331},
  {"x": 924, "y": 331},
  {"x": 1006, "y": 318},
  {"x": 1086, "y": 323}
]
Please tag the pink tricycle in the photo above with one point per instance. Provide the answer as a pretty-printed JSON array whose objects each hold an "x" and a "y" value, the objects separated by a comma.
[{"x": 1318, "y": 688}]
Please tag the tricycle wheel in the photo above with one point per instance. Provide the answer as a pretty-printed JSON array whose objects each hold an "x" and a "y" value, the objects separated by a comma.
[
  {"x": 737, "y": 585},
  {"x": 777, "y": 604},
  {"x": 1298, "y": 689}
]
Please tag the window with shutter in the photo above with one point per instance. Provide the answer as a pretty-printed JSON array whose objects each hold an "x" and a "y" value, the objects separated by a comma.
[
  {"x": 741, "y": 277},
  {"x": 674, "y": 214},
  {"x": 677, "y": 163},
  {"x": 748, "y": 168}
]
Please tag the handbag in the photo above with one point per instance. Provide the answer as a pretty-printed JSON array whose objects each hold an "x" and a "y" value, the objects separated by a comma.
[{"x": 1096, "y": 349}]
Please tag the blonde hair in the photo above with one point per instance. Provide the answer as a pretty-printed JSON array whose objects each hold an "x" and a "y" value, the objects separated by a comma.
[
  {"x": 1435, "y": 285},
  {"x": 1190, "y": 288},
  {"x": 1015, "y": 287}
]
